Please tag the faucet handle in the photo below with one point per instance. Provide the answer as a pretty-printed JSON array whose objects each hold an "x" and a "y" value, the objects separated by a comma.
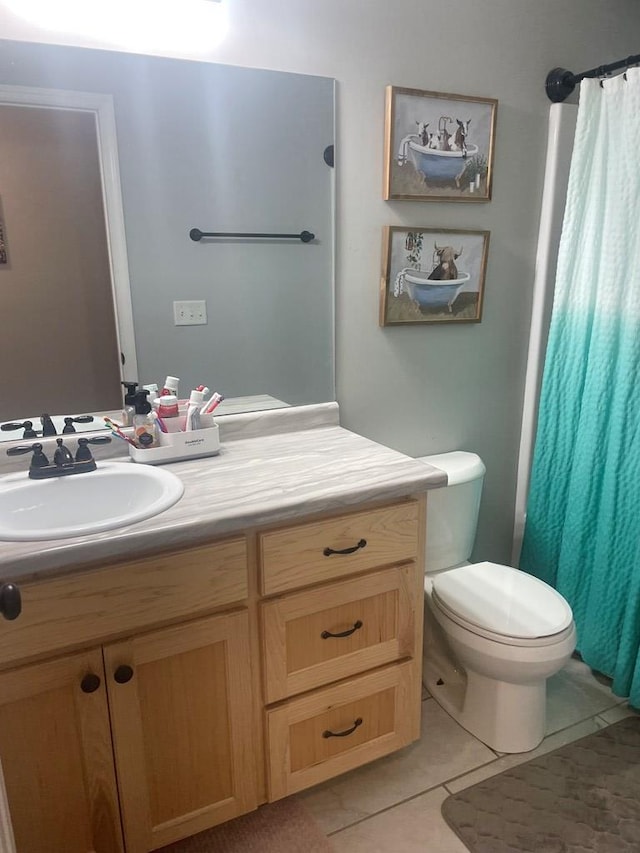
[
  {"x": 27, "y": 426},
  {"x": 83, "y": 454},
  {"x": 69, "y": 423},
  {"x": 39, "y": 460}
]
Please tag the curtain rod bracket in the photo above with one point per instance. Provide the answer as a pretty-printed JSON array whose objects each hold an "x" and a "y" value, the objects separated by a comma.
[{"x": 559, "y": 84}]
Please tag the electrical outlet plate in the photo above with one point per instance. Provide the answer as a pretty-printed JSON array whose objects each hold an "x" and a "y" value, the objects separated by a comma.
[{"x": 190, "y": 313}]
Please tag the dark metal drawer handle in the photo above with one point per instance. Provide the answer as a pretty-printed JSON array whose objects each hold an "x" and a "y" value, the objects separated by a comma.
[
  {"x": 350, "y": 731},
  {"x": 361, "y": 544},
  {"x": 356, "y": 625}
]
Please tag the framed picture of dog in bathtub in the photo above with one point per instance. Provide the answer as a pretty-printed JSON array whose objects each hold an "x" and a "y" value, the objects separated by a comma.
[
  {"x": 432, "y": 275},
  {"x": 438, "y": 147}
]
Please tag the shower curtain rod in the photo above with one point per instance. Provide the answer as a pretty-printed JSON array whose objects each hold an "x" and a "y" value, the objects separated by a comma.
[{"x": 560, "y": 83}]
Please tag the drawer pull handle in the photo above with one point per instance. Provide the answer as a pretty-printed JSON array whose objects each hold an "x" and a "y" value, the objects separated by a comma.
[
  {"x": 361, "y": 544},
  {"x": 10, "y": 601},
  {"x": 356, "y": 625},
  {"x": 90, "y": 683},
  {"x": 123, "y": 674},
  {"x": 346, "y": 733}
]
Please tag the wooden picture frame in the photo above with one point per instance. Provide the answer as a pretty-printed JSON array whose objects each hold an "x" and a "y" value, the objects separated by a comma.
[
  {"x": 438, "y": 146},
  {"x": 432, "y": 275}
]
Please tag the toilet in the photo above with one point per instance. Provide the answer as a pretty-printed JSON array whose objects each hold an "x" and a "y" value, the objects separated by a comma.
[{"x": 493, "y": 634}]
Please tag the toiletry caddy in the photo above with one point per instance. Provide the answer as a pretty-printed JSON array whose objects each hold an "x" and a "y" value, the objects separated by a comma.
[{"x": 180, "y": 446}]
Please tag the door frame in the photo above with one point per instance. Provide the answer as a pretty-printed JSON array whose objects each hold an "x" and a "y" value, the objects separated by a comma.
[
  {"x": 7, "y": 841},
  {"x": 101, "y": 106}
]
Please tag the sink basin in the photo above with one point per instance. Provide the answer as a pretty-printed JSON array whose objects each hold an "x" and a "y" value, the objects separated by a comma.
[{"x": 115, "y": 495}]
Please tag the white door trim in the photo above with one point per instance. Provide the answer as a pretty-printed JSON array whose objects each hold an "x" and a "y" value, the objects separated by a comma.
[
  {"x": 101, "y": 105},
  {"x": 7, "y": 841}
]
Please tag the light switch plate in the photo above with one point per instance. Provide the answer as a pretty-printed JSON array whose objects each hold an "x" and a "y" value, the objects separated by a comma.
[{"x": 190, "y": 313}]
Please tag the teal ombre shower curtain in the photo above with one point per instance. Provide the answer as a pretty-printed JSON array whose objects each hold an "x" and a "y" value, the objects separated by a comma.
[{"x": 582, "y": 532}]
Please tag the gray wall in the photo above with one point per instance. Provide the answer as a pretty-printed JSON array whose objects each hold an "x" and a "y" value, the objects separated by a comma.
[{"x": 426, "y": 389}]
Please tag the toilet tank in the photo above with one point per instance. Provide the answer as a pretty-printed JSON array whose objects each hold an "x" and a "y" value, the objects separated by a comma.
[{"x": 452, "y": 511}]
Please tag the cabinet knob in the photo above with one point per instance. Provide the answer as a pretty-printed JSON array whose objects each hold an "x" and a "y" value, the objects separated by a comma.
[
  {"x": 10, "y": 601},
  {"x": 90, "y": 683},
  {"x": 123, "y": 674}
]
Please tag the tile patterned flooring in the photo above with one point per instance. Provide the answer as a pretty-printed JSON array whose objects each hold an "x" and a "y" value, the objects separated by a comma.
[{"x": 393, "y": 805}]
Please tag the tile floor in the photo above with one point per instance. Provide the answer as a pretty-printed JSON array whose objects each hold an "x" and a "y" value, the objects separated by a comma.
[{"x": 393, "y": 805}]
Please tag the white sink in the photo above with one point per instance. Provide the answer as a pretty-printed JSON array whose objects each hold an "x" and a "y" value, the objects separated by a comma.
[{"x": 115, "y": 495}]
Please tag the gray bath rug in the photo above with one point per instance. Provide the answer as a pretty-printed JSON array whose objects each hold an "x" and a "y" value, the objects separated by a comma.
[{"x": 581, "y": 798}]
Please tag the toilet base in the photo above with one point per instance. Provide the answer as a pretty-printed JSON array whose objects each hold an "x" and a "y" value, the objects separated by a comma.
[{"x": 506, "y": 717}]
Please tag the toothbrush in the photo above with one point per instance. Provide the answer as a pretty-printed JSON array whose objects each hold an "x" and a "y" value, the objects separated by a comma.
[
  {"x": 115, "y": 430},
  {"x": 160, "y": 422}
]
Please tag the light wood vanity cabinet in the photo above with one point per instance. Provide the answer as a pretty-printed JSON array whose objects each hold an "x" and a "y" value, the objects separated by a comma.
[{"x": 146, "y": 701}]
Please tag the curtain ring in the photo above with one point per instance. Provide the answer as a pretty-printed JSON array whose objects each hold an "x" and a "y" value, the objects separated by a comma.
[
  {"x": 602, "y": 83},
  {"x": 624, "y": 76}
]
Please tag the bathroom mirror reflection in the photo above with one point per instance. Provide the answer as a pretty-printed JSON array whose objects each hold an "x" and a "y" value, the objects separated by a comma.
[{"x": 199, "y": 145}]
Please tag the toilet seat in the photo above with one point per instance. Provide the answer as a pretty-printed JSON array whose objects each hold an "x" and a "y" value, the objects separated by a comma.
[{"x": 502, "y": 604}]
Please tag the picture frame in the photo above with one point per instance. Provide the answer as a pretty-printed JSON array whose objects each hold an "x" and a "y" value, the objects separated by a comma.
[
  {"x": 438, "y": 146},
  {"x": 424, "y": 282}
]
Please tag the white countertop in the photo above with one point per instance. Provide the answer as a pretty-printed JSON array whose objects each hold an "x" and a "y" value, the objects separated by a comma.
[{"x": 254, "y": 481}]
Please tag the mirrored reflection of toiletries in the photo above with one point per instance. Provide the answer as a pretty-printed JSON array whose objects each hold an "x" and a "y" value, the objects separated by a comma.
[
  {"x": 171, "y": 385},
  {"x": 129, "y": 408},
  {"x": 153, "y": 392},
  {"x": 145, "y": 427}
]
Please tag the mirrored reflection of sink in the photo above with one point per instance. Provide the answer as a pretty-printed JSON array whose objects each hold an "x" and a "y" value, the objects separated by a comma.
[{"x": 115, "y": 495}]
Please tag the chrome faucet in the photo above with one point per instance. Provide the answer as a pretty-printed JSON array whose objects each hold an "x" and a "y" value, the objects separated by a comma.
[{"x": 64, "y": 462}]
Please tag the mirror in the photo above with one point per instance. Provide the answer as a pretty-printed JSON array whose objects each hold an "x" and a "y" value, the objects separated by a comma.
[{"x": 199, "y": 146}]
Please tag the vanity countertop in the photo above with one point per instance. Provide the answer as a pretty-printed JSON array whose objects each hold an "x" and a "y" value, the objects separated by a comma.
[{"x": 256, "y": 480}]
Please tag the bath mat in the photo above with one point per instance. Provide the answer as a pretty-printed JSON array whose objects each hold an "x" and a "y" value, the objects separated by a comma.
[
  {"x": 581, "y": 798},
  {"x": 282, "y": 827}
]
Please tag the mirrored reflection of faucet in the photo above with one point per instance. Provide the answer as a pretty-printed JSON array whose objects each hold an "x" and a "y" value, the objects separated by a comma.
[
  {"x": 27, "y": 426},
  {"x": 48, "y": 426},
  {"x": 64, "y": 463}
]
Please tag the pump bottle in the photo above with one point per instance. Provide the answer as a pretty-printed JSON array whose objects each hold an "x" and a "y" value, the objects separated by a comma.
[
  {"x": 145, "y": 428},
  {"x": 129, "y": 403}
]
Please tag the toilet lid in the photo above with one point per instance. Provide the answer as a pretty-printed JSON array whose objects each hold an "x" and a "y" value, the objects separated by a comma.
[{"x": 503, "y": 600}]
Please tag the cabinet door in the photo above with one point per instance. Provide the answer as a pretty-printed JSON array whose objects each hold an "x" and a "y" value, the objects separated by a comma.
[
  {"x": 181, "y": 716},
  {"x": 55, "y": 747}
]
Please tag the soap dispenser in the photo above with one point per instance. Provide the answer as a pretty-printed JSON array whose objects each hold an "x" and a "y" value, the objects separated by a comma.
[
  {"x": 145, "y": 427},
  {"x": 129, "y": 409}
]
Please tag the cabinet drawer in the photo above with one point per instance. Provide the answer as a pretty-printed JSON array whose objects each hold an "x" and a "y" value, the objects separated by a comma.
[
  {"x": 324, "y": 550},
  {"x": 315, "y": 637},
  {"x": 84, "y": 607},
  {"x": 333, "y": 730}
]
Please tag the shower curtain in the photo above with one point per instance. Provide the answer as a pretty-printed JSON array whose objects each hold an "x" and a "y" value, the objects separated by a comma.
[{"x": 582, "y": 531}]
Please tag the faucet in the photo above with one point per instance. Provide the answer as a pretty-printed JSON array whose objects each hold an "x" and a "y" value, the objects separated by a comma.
[{"x": 64, "y": 462}]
